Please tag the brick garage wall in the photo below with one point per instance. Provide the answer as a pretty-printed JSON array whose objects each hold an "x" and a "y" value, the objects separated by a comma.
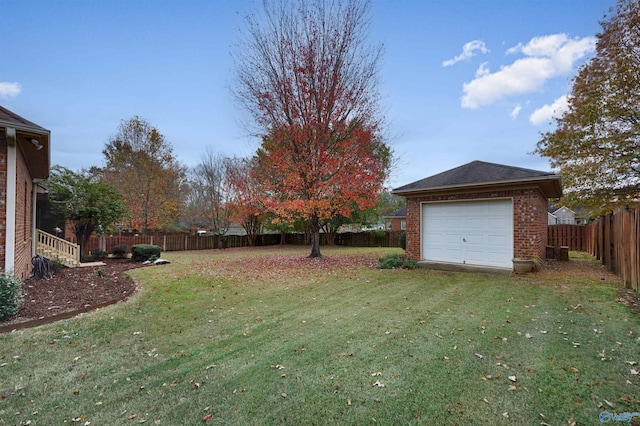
[{"x": 529, "y": 219}]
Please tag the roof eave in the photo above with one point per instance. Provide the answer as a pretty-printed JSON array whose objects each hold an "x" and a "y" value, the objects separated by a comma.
[{"x": 550, "y": 185}]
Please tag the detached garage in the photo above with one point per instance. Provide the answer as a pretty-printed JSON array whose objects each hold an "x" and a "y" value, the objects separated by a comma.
[{"x": 479, "y": 214}]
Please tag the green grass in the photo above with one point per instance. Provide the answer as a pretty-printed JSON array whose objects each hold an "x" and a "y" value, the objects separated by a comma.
[{"x": 266, "y": 336}]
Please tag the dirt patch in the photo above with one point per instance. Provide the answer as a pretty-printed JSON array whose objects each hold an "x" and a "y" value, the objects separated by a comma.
[
  {"x": 577, "y": 269},
  {"x": 583, "y": 269}
]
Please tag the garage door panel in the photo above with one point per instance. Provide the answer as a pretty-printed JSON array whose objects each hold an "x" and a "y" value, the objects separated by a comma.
[{"x": 474, "y": 232}]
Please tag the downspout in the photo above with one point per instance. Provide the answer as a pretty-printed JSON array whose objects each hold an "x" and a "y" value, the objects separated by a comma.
[{"x": 10, "y": 212}]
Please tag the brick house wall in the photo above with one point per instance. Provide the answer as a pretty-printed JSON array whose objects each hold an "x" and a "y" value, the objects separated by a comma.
[
  {"x": 24, "y": 218},
  {"x": 396, "y": 223},
  {"x": 3, "y": 197},
  {"x": 529, "y": 218}
]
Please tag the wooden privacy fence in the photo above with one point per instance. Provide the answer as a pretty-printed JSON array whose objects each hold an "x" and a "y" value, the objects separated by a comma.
[
  {"x": 614, "y": 240},
  {"x": 572, "y": 236},
  {"x": 181, "y": 242},
  {"x": 176, "y": 242}
]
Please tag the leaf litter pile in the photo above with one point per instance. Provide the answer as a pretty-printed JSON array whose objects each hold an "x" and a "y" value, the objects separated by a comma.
[{"x": 262, "y": 269}]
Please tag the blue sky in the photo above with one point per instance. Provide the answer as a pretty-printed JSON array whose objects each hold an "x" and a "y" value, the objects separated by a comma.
[{"x": 461, "y": 80}]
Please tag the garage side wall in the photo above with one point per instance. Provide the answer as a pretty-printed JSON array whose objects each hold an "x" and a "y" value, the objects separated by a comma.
[{"x": 529, "y": 217}]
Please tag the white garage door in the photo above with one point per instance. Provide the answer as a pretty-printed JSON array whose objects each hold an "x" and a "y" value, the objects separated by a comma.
[{"x": 468, "y": 232}]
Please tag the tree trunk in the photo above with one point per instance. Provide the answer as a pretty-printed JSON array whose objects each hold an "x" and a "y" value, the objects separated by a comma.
[
  {"x": 315, "y": 245},
  {"x": 83, "y": 232},
  {"x": 315, "y": 237}
]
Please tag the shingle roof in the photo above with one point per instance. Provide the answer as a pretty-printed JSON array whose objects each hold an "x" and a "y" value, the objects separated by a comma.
[
  {"x": 401, "y": 212},
  {"x": 479, "y": 173},
  {"x": 9, "y": 117}
]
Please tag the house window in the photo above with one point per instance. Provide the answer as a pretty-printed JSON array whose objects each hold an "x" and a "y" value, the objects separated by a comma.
[{"x": 403, "y": 225}]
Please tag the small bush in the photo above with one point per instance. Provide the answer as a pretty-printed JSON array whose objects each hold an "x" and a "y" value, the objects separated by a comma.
[
  {"x": 11, "y": 296},
  {"x": 394, "y": 261},
  {"x": 56, "y": 265},
  {"x": 120, "y": 252},
  {"x": 142, "y": 252},
  {"x": 100, "y": 254}
]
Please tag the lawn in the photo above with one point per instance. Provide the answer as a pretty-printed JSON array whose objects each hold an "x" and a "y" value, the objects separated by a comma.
[{"x": 266, "y": 336}]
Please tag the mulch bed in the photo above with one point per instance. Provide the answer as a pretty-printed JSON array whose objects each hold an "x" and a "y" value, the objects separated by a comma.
[{"x": 71, "y": 291}]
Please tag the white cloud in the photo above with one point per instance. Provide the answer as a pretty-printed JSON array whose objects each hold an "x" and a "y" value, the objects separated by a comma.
[
  {"x": 546, "y": 113},
  {"x": 516, "y": 111},
  {"x": 545, "y": 57},
  {"x": 9, "y": 90},
  {"x": 469, "y": 50}
]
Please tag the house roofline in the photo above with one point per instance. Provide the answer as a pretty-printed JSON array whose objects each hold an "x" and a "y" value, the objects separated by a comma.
[{"x": 554, "y": 180}]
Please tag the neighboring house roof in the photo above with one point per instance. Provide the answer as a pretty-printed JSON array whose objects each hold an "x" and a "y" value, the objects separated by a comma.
[
  {"x": 398, "y": 213},
  {"x": 562, "y": 210},
  {"x": 32, "y": 139},
  {"x": 483, "y": 174}
]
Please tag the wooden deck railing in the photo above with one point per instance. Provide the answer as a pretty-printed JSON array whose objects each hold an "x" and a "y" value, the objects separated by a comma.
[{"x": 52, "y": 247}]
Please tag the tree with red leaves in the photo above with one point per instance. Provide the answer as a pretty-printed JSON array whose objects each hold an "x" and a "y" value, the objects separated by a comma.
[
  {"x": 245, "y": 196},
  {"x": 309, "y": 80}
]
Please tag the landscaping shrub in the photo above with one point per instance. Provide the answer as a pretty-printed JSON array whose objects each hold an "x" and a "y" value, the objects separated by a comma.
[
  {"x": 120, "y": 252},
  {"x": 11, "y": 295},
  {"x": 100, "y": 254},
  {"x": 142, "y": 252},
  {"x": 393, "y": 261},
  {"x": 56, "y": 265}
]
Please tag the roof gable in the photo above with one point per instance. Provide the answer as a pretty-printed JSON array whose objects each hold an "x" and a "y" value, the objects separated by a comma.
[{"x": 480, "y": 173}]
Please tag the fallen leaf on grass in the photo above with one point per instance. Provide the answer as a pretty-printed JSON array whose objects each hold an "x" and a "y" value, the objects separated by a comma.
[
  {"x": 512, "y": 378},
  {"x": 378, "y": 384},
  {"x": 626, "y": 399},
  {"x": 207, "y": 417},
  {"x": 512, "y": 388},
  {"x": 478, "y": 356},
  {"x": 376, "y": 374}
]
